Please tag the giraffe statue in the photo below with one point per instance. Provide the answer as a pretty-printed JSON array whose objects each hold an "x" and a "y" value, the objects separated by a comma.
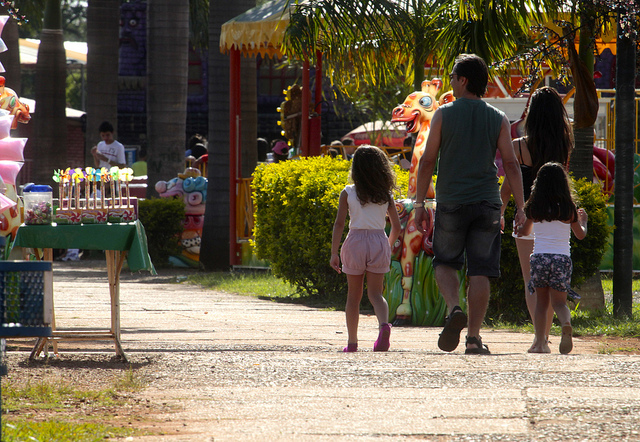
[{"x": 416, "y": 113}]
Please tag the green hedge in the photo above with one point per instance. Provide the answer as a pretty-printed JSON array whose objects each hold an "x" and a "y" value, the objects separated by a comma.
[
  {"x": 507, "y": 292},
  {"x": 296, "y": 204},
  {"x": 162, "y": 219}
]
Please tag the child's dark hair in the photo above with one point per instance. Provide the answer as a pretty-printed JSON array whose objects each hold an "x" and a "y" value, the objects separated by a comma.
[
  {"x": 373, "y": 176},
  {"x": 551, "y": 195},
  {"x": 105, "y": 126}
]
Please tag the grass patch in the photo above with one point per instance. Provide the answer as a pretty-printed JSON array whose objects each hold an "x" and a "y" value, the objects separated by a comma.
[
  {"x": 596, "y": 323},
  {"x": 258, "y": 284},
  {"x": 52, "y": 396},
  {"x": 59, "y": 431},
  {"x": 607, "y": 284},
  {"x": 50, "y": 400},
  {"x": 606, "y": 349},
  {"x": 129, "y": 382},
  {"x": 585, "y": 323}
]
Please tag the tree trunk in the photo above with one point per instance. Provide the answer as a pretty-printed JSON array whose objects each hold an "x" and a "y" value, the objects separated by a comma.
[
  {"x": 167, "y": 77},
  {"x": 50, "y": 140},
  {"x": 103, "y": 20},
  {"x": 585, "y": 106},
  {"x": 625, "y": 148},
  {"x": 214, "y": 253},
  {"x": 581, "y": 161},
  {"x": 592, "y": 294},
  {"x": 10, "y": 59}
]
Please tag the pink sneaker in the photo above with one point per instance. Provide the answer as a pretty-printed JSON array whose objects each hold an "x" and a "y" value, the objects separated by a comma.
[
  {"x": 351, "y": 348},
  {"x": 382, "y": 343}
]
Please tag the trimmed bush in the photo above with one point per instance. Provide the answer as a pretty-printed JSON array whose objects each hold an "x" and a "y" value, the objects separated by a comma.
[
  {"x": 296, "y": 204},
  {"x": 162, "y": 219},
  {"x": 507, "y": 292}
]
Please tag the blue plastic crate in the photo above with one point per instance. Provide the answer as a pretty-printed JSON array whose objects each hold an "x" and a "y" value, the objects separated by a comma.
[{"x": 22, "y": 293}]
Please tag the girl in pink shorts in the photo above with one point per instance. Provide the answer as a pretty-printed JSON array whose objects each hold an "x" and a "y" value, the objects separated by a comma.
[{"x": 367, "y": 249}]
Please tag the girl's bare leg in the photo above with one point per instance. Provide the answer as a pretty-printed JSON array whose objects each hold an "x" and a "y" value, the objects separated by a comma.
[
  {"x": 540, "y": 321},
  {"x": 525, "y": 248},
  {"x": 559, "y": 303},
  {"x": 352, "y": 309},
  {"x": 375, "y": 285}
]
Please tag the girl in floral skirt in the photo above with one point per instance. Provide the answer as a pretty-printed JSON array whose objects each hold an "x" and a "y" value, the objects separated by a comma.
[{"x": 552, "y": 215}]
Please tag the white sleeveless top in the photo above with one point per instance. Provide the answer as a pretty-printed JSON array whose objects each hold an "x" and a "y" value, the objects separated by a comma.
[
  {"x": 369, "y": 216},
  {"x": 552, "y": 237}
]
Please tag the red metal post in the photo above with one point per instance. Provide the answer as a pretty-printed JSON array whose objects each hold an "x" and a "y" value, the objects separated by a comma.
[
  {"x": 304, "y": 121},
  {"x": 316, "y": 120}
]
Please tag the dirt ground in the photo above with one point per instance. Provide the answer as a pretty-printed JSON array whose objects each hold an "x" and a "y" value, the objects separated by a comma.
[{"x": 150, "y": 413}]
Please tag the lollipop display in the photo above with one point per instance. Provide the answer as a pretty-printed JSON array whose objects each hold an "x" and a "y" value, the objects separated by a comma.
[
  {"x": 67, "y": 212},
  {"x": 84, "y": 200},
  {"x": 121, "y": 210}
]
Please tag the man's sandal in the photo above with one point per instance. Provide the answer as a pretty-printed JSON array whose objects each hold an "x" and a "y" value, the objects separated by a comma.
[
  {"x": 482, "y": 349},
  {"x": 453, "y": 325}
]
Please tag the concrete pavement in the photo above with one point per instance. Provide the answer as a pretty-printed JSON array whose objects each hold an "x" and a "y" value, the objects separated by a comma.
[{"x": 230, "y": 367}]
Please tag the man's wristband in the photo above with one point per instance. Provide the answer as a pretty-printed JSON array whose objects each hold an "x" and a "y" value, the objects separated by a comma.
[{"x": 418, "y": 204}]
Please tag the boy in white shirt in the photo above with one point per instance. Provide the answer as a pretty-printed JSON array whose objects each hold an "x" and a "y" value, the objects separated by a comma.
[{"x": 108, "y": 152}]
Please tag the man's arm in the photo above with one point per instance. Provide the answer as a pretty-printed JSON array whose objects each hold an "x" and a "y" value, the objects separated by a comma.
[
  {"x": 97, "y": 156},
  {"x": 512, "y": 170},
  {"x": 427, "y": 165}
]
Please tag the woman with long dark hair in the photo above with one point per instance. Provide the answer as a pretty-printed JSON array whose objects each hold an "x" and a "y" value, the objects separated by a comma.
[{"x": 548, "y": 137}]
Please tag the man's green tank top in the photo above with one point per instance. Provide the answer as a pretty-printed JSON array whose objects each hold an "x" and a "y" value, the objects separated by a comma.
[{"x": 467, "y": 172}]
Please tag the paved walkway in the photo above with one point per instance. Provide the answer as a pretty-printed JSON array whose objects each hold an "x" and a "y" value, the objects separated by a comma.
[{"x": 231, "y": 367}]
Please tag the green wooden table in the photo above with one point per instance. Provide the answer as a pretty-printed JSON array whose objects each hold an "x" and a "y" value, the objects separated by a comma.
[{"x": 117, "y": 240}]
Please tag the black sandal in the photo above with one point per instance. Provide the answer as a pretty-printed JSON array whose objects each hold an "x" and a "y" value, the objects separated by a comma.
[
  {"x": 482, "y": 349},
  {"x": 453, "y": 325}
]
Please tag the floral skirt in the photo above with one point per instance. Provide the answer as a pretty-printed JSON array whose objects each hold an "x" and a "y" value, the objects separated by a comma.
[{"x": 550, "y": 270}]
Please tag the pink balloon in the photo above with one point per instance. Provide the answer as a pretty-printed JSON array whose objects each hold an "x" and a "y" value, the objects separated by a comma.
[
  {"x": 5, "y": 125},
  {"x": 6, "y": 203},
  {"x": 9, "y": 170},
  {"x": 12, "y": 149}
]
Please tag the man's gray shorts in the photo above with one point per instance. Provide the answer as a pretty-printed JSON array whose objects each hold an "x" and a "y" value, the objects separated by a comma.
[{"x": 471, "y": 228}]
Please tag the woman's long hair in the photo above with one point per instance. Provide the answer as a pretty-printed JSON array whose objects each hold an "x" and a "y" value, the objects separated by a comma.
[
  {"x": 548, "y": 129},
  {"x": 551, "y": 196},
  {"x": 372, "y": 175}
]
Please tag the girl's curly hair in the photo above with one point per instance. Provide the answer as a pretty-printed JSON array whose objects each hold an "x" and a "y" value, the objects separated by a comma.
[{"x": 373, "y": 176}]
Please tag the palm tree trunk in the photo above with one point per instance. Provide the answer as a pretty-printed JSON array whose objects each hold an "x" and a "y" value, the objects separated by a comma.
[
  {"x": 214, "y": 253},
  {"x": 167, "y": 77},
  {"x": 625, "y": 148},
  {"x": 10, "y": 59},
  {"x": 50, "y": 141},
  {"x": 585, "y": 105},
  {"x": 103, "y": 19}
]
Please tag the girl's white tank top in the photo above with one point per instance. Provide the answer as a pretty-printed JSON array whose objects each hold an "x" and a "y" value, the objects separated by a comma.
[
  {"x": 552, "y": 237},
  {"x": 369, "y": 216}
]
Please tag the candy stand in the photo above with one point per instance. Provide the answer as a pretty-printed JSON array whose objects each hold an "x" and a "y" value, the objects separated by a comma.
[{"x": 105, "y": 219}]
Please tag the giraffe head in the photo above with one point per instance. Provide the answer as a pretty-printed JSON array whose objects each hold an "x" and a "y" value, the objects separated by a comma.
[
  {"x": 419, "y": 106},
  {"x": 416, "y": 113}
]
